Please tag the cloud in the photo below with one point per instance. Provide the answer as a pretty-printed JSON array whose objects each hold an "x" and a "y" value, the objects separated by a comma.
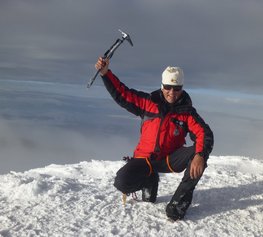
[
  {"x": 27, "y": 146},
  {"x": 43, "y": 123},
  {"x": 217, "y": 43}
]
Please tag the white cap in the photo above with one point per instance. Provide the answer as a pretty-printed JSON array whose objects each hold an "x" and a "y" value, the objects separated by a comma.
[{"x": 173, "y": 76}]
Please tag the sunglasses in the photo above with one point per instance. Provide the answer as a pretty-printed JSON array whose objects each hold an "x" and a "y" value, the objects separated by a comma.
[{"x": 169, "y": 87}]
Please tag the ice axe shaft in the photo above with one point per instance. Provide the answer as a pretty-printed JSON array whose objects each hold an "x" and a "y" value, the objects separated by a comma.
[{"x": 108, "y": 54}]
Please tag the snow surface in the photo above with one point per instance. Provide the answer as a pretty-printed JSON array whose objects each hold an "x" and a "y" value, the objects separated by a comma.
[{"x": 80, "y": 200}]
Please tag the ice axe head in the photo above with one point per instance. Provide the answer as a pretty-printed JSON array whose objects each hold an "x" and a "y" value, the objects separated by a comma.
[{"x": 125, "y": 36}]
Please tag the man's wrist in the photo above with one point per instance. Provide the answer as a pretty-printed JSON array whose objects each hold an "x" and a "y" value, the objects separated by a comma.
[
  {"x": 200, "y": 154},
  {"x": 103, "y": 73}
]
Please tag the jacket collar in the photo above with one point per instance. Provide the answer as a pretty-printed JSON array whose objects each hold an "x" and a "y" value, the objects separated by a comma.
[{"x": 157, "y": 97}]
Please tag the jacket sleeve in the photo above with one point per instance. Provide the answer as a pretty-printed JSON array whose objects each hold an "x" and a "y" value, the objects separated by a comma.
[
  {"x": 201, "y": 134},
  {"x": 136, "y": 102}
]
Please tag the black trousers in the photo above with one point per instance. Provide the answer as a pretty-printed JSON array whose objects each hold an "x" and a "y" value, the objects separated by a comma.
[{"x": 135, "y": 174}]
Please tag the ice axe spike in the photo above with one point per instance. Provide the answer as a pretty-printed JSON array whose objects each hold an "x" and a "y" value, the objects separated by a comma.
[
  {"x": 108, "y": 54},
  {"x": 124, "y": 198}
]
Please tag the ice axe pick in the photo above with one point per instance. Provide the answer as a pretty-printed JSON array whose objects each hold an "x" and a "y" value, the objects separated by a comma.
[{"x": 108, "y": 54}]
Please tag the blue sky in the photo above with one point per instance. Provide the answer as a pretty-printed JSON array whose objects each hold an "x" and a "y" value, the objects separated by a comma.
[{"x": 47, "y": 54}]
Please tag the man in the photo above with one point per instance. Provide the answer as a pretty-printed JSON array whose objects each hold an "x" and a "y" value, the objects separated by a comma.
[{"x": 167, "y": 117}]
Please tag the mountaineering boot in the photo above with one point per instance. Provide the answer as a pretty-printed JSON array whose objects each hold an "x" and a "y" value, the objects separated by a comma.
[
  {"x": 182, "y": 198},
  {"x": 149, "y": 191},
  {"x": 176, "y": 209}
]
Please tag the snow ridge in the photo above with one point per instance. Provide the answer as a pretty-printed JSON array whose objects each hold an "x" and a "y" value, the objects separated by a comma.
[{"x": 80, "y": 200}]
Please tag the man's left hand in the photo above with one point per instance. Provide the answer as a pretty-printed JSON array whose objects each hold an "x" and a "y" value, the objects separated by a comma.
[{"x": 197, "y": 166}]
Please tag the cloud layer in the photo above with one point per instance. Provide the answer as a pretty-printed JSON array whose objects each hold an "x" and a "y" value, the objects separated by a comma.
[
  {"x": 43, "y": 123},
  {"x": 218, "y": 44}
]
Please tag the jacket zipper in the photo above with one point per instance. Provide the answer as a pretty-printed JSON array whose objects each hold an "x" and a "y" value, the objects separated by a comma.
[{"x": 157, "y": 148}]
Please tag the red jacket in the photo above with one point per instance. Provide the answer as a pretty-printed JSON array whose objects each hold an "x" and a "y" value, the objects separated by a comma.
[{"x": 164, "y": 126}]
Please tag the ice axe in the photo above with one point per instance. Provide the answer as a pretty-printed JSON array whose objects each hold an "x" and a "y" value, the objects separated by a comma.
[{"x": 108, "y": 54}]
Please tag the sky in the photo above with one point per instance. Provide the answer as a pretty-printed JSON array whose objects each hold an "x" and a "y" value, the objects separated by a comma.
[
  {"x": 47, "y": 54},
  {"x": 217, "y": 43}
]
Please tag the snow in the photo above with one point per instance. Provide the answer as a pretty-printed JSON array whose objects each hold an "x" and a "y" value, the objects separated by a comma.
[{"x": 80, "y": 200}]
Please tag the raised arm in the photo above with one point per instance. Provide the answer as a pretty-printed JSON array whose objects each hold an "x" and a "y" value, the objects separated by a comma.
[{"x": 136, "y": 102}]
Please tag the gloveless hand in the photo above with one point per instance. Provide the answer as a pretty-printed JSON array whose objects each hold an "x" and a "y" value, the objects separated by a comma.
[
  {"x": 197, "y": 166},
  {"x": 102, "y": 65}
]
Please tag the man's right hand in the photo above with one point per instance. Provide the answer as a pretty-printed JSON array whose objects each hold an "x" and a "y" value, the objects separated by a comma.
[
  {"x": 197, "y": 166},
  {"x": 102, "y": 65}
]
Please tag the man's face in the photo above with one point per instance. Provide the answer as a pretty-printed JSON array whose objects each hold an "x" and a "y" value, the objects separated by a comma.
[{"x": 172, "y": 93}]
